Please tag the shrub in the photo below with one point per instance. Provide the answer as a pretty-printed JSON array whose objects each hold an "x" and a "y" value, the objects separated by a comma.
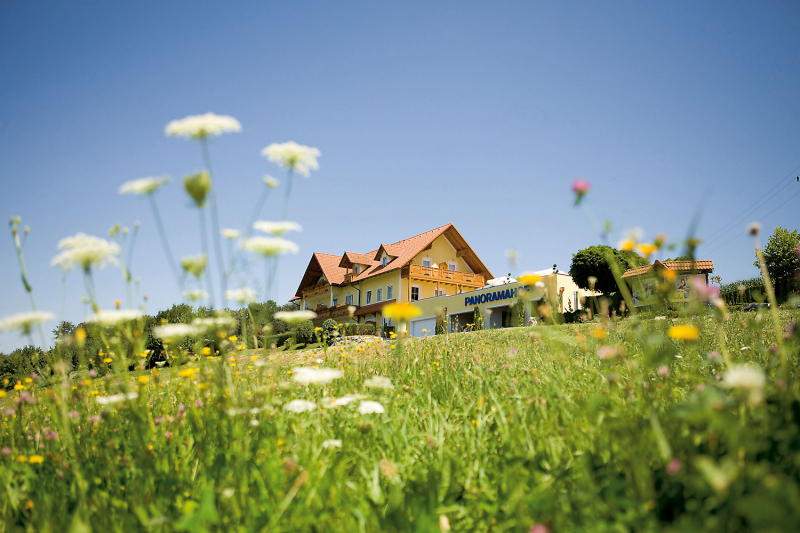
[
  {"x": 367, "y": 328},
  {"x": 330, "y": 330},
  {"x": 304, "y": 333},
  {"x": 477, "y": 319},
  {"x": 440, "y": 328},
  {"x": 278, "y": 340}
]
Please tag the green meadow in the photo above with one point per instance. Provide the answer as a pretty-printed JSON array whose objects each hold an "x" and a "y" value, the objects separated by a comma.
[{"x": 624, "y": 425}]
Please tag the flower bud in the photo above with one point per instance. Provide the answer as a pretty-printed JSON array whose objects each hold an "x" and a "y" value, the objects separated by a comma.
[{"x": 198, "y": 186}]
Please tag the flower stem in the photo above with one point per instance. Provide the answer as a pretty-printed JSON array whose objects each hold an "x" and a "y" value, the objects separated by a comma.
[
  {"x": 289, "y": 176},
  {"x": 90, "y": 292},
  {"x": 773, "y": 311},
  {"x": 24, "y": 272},
  {"x": 204, "y": 246},
  {"x": 164, "y": 242},
  {"x": 215, "y": 221}
]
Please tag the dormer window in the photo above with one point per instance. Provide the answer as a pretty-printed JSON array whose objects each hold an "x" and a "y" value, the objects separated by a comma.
[
  {"x": 357, "y": 269},
  {"x": 384, "y": 260}
]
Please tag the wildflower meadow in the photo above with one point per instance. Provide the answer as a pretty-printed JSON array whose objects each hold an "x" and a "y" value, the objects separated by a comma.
[{"x": 673, "y": 420}]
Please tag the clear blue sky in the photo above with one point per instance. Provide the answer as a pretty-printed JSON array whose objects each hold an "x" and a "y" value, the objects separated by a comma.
[{"x": 476, "y": 113}]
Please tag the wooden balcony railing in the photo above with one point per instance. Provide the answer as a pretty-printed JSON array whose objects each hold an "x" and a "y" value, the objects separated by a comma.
[
  {"x": 316, "y": 291},
  {"x": 446, "y": 276}
]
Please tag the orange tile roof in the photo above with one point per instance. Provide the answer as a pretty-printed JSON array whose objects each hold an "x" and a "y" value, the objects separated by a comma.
[
  {"x": 701, "y": 265},
  {"x": 403, "y": 251},
  {"x": 330, "y": 267}
]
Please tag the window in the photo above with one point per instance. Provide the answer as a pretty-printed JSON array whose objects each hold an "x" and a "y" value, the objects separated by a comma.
[
  {"x": 348, "y": 300},
  {"x": 335, "y": 302},
  {"x": 389, "y": 292},
  {"x": 384, "y": 260},
  {"x": 414, "y": 294},
  {"x": 357, "y": 269},
  {"x": 440, "y": 292},
  {"x": 369, "y": 297},
  {"x": 427, "y": 261},
  {"x": 379, "y": 295},
  {"x": 451, "y": 266},
  {"x": 387, "y": 322}
]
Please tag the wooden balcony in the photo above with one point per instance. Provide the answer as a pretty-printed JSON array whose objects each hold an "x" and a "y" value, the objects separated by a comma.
[
  {"x": 316, "y": 291},
  {"x": 446, "y": 276}
]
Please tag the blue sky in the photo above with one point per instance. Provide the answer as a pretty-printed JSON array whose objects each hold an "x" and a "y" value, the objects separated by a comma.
[{"x": 476, "y": 113}]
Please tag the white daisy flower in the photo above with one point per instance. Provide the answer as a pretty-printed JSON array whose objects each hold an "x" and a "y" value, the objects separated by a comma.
[
  {"x": 294, "y": 317},
  {"x": 276, "y": 228},
  {"x": 294, "y": 156},
  {"x": 378, "y": 382},
  {"x": 320, "y": 376},
  {"x": 269, "y": 246},
  {"x": 143, "y": 186},
  {"x": 300, "y": 406},
  {"x": 196, "y": 294},
  {"x": 25, "y": 321},
  {"x": 114, "y": 317},
  {"x": 175, "y": 331},
  {"x": 369, "y": 407},
  {"x": 230, "y": 233},
  {"x": 332, "y": 443},
  {"x": 271, "y": 182},
  {"x": 86, "y": 251},
  {"x": 202, "y": 126},
  {"x": 243, "y": 295},
  {"x": 114, "y": 398}
]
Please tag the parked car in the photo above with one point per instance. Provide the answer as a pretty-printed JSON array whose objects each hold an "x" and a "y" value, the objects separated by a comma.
[{"x": 754, "y": 307}]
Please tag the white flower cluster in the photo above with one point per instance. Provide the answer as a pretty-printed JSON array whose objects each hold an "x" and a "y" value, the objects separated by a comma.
[
  {"x": 202, "y": 126},
  {"x": 143, "y": 185},
  {"x": 294, "y": 156},
  {"x": 86, "y": 251},
  {"x": 319, "y": 376},
  {"x": 369, "y": 407},
  {"x": 244, "y": 295},
  {"x": 294, "y": 317},
  {"x": 196, "y": 294},
  {"x": 271, "y": 182},
  {"x": 378, "y": 382},
  {"x": 114, "y": 398},
  {"x": 276, "y": 228},
  {"x": 175, "y": 331},
  {"x": 300, "y": 406},
  {"x": 25, "y": 321},
  {"x": 114, "y": 317},
  {"x": 747, "y": 380},
  {"x": 269, "y": 246},
  {"x": 230, "y": 233}
]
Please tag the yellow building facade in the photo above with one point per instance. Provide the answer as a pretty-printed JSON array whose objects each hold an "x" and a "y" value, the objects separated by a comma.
[{"x": 354, "y": 287}]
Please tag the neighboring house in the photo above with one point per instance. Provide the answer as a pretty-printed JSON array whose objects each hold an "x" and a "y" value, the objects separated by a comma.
[
  {"x": 642, "y": 280},
  {"x": 570, "y": 296},
  {"x": 354, "y": 287}
]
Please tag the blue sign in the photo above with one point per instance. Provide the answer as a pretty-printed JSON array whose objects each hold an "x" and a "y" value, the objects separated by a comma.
[{"x": 502, "y": 294}]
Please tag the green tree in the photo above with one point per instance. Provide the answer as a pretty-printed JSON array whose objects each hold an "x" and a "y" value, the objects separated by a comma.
[
  {"x": 595, "y": 262},
  {"x": 782, "y": 258}
]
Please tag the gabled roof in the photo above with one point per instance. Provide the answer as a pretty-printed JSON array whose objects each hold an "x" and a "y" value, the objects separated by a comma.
[
  {"x": 701, "y": 266},
  {"x": 333, "y": 266},
  {"x": 351, "y": 258}
]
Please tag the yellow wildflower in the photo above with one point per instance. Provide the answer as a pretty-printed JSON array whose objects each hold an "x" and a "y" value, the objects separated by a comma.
[
  {"x": 94, "y": 393},
  {"x": 107, "y": 360},
  {"x": 686, "y": 332},
  {"x": 626, "y": 245},
  {"x": 80, "y": 335},
  {"x": 2, "y": 393},
  {"x": 599, "y": 333},
  {"x": 187, "y": 372},
  {"x": 35, "y": 459},
  {"x": 143, "y": 379},
  {"x": 206, "y": 351},
  {"x": 28, "y": 380},
  {"x": 400, "y": 311},
  {"x": 19, "y": 386},
  {"x": 529, "y": 278},
  {"x": 22, "y": 459},
  {"x": 646, "y": 249}
]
